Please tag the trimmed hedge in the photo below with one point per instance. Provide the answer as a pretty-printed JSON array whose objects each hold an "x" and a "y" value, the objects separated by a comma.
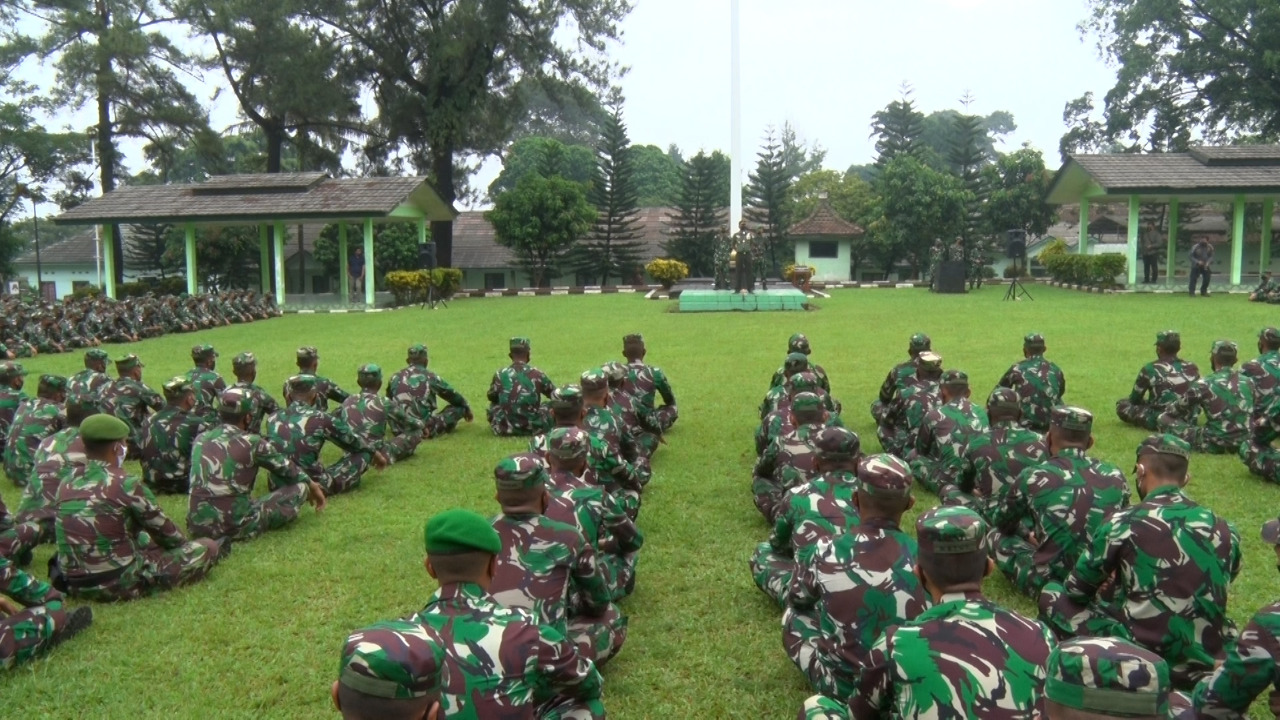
[
  {"x": 1072, "y": 268},
  {"x": 410, "y": 287},
  {"x": 667, "y": 271},
  {"x": 167, "y": 286}
]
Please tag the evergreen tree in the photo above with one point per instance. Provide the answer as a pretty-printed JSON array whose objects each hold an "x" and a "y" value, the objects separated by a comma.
[
  {"x": 966, "y": 157},
  {"x": 768, "y": 199},
  {"x": 899, "y": 130},
  {"x": 700, "y": 213},
  {"x": 147, "y": 249},
  {"x": 612, "y": 249}
]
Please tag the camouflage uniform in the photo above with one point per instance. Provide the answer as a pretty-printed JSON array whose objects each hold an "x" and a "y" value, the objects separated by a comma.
[
  {"x": 799, "y": 343},
  {"x": 821, "y": 707},
  {"x": 1227, "y": 399},
  {"x": 788, "y": 461},
  {"x": 260, "y": 400},
  {"x": 167, "y": 440},
  {"x": 37, "y": 418},
  {"x": 723, "y": 246},
  {"x": 10, "y": 397},
  {"x": 779, "y": 421},
  {"x": 943, "y": 435},
  {"x": 993, "y": 460},
  {"x": 53, "y": 458},
  {"x": 326, "y": 389},
  {"x": 39, "y": 624},
  {"x": 1063, "y": 502},
  {"x": 777, "y": 396},
  {"x": 368, "y": 415},
  {"x": 208, "y": 384},
  {"x": 965, "y": 657},
  {"x": 646, "y": 382},
  {"x": 1106, "y": 677},
  {"x": 89, "y": 382},
  {"x": 644, "y": 434},
  {"x": 1264, "y": 371},
  {"x": 131, "y": 401},
  {"x": 515, "y": 397},
  {"x": 548, "y": 568},
  {"x": 416, "y": 389},
  {"x": 1040, "y": 384},
  {"x": 809, "y": 514},
  {"x": 853, "y": 588},
  {"x": 1161, "y": 387},
  {"x": 393, "y": 660},
  {"x": 903, "y": 420},
  {"x": 300, "y": 431},
  {"x": 1171, "y": 562}
]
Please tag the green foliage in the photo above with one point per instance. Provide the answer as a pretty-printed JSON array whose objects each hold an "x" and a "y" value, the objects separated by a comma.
[
  {"x": 412, "y": 287},
  {"x": 569, "y": 112},
  {"x": 395, "y": 247},
  {"x": 612, "y": 248},
  {"x": 767, "y": 199},
  {"x": 944, "y": 130},
  {"x": 700, "y": 213},
  {"x": 851, "y": 197},
  {"x": 658, "y": 176},
  {"x": 226, "y": 257},
  {"x": 540, "y": 220},
  {"x": 1017, "y": 184},
  {"x": 899, "y": 130},
  {"x": 1075, "y": 269},
  {"x": 148, "y": 249},
  {"x": 546, "y": 157},
  {"x": 166, "y": 286},
  {"x": 667, "y": 271},
  {"x": 966, "y": 159},
  {"x": 87, "y": 291},
  {"x": 918, "y": 205}
]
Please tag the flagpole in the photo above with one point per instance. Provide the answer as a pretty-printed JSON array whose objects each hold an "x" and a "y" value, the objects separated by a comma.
[{"x": 735, "y": 120}]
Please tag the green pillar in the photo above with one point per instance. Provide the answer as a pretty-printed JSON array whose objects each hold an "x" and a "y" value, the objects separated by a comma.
[
  {"x": 368, "y": 262},
  {"x": 1264, "y": 255},
  {"x": 1171, "y": 252},
  {"x": 264, "y": 258},
  {"x": 344, "y": 281},
  {"x": 108, "y": 263},
  {"x": 279, "y": 263},
  {"x": 1237, "y": 240},
  {"x": 1083, "y": 247},
  {"x": 192, "y": 285},
  {"x": 1131, "y": 254}
]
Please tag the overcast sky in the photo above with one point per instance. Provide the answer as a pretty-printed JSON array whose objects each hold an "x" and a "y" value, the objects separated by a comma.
[{"x": 827, "y": 65}]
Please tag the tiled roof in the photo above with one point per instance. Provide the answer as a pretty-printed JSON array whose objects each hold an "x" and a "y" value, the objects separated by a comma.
[
  {"x": 824, "y": 221},
  {"x": 1176, "y": 171},
  {"x": 76, "y": 249},
  {"x": 474, "y": 245}
]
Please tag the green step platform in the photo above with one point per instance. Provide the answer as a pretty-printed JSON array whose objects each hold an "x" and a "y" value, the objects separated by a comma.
[{"x": 726, "y": 301}]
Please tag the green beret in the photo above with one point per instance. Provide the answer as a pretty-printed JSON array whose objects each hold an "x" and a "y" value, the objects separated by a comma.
[
  {"x": 955, "y": 378},
  {"x": 798, "y": 344},
  {"x": 1168, "y": 337},
  {"x": 418, "y": 351},
  {"x": 1225, "y": 349},
  {"x": 369, "y": 370},
  {"x": 951, "y": 530},
  {"x": 394, "y": 659},
  {"x": 806, "y": 402},
  {"x": 128, "y": 362},
  {"x": 52, "y": 383},
  {"x": 1270, "y": 335},
  {"x": 884, "y": 475},
  {"x": 308, "y": 352},
  {"x": 97, "y": 354},
  {"x": 928, "y": 361},
  {"x": 1033, "y": 340},
  {"x": 566, "y": 398},
  {"x": 519, "y": 343},
  {"x": 244, "y": 360},
  {"x": 796, "y": 359},
  {"x": 102, "y": 428},
  {"x": 176, "y": 387},
  {"x": 804, "y": 382},
  {"x": 460, "y": 531},
  {"x": 837, "y": 443},
  {"x": 524, "y": 471},
  {"x": 615, "y": 371},
  {"x": 1108, "y": 676},
  {"x": 920, "y": 342},
  {"x": 301, "y": 383},
  {"x": 235, "y": 401},
  {"x": 1003, "y": 399},
  {"x": 594, "y": 380},
  {"x": 201, "y": 352},
  {"x": 1069, "y": 417},
  {"x": 568, "y": 443},
  {"x": 1165, "y": 445}
]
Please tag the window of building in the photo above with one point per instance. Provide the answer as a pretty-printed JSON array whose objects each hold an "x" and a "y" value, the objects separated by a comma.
[
  {"x": 77, "y": 284},
  {"x": 495, "y": 281},
  {"x": 824, "y": 249}
]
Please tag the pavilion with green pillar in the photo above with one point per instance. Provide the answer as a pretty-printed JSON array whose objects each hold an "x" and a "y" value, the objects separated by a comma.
[
  {"x": 268, "y": 202},
  {"x": 1232, "y": 177}
]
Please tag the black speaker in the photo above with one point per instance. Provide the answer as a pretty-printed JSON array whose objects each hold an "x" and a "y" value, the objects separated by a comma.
[
  {"x": 427, "y": 256},
  {"x": 951, "y": 277},
  {"x": 1016, "y": 244}
]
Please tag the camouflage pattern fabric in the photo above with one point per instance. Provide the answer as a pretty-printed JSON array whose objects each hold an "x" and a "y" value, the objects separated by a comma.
[
  {"x": 1169, "y": 563},
  {"x": 619, "y": 479},
  {"x": 299, "y": 432},
  {"x": 1107, "y": 677},
  {"x": 1264, "y": 371},
  {"x": 843, "y": 599},
  {"x": 31, "y": 631},
  {"x": 416, "y": 388},
  {"x": 1227, "y": 399},
  {"x": 500, "y": 662},
  {"x": 114, "y": 541},
  {"x": 821, "y": 707},
  {"x": 10, "y": 399},
  {"x": 53, "y": 459},
  {"x": 1040, "y": 385},
  {"x": 906, "y": 417},
  {"x": 224, "y": 468},
  {"x": 1161, "y": 387},
  {"x": 209, "y": 386},
  {"x": 515, "y": 401},
  {"x": 88, "y": 383},
  {"x": 1252, "y": 665},
  {"x": 788, "y": 461},
  {"x": 941, "y": 440},
  {"x": 37, "y": 418},
  {"x": 778, "y": 423},
  {"x": 603, "y": 523},
  {"x": 326, "y": 391},
  {"x": 370, "y": 417},
  {"x": 902, "y": 375},
  {"x": 601, "y": 422},
  {"x": 645, "y": 383},
  {"x": 991, "y": 461},
  {"x": 1063, "y": 503},
  {"x": 262, "y": 404},
  {"x": 780, "y": 377},
  {"x": 132, "y": 402},
  {"x": 1262, "y": 459},
  {"x": 167, "y": 440},
  {"x": 643, "y": 434}
]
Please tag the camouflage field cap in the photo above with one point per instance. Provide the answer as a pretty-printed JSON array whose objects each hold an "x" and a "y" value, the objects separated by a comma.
[
  {"x": 798, "y": 344},
  {"x": 520, "y": 343},
  {"x": 176, "y": 387},
  {"x": 1033, "y": 340},
  {"x": 308, "y": 352},
  {"x": 53, "y": 383},
  {"x": 1003, "y": 399},
  {"x": 235, "y": 401},
  {"x": 201, "y": 352},
  {"x": 1165, "y": 444},
  {"x": 920, "y": 342},
  {"x": 524, "y": 471},
  {"x": 301, "y": 383},
  {"x": 806, "y": 402},
  {"x": 103, "y": 428},
  {"x": 97, "y": 354},
  {"x": 884, "y": 475},
  {"x": 568, "y": 443},
  {"x": 369, "y": 371},
  {"x": 83, "y": 402},
  {"x": 1270, "y": 334},
  {"x": 955, "y": 378},
  {"x": 1108, "y": 676},
  {"x": 837, "y": 443},
  {"x": 615, "y": 371},
  {"x": 1168, "y": 337},
  {"x": 10, "y": 370},
  {"x": 128, "y": 362},
  {"x": 244, "y": 360},
  {"x": 1224, "y": 349},
  {"x": 417, "y": 351},
  {"x": 460, "y": 531},
  {"x": 804, "y": 382},
  {"x": 393, "y": 659},
  {"x": 951, "y": 530},
  {"x": 594, "y": 380},
  {"x": 566, "y": 397},
  {"x": 1271, "y": 532},
  {"x": 1069, "y": 417},
  {"x": 929, "y": 361}
]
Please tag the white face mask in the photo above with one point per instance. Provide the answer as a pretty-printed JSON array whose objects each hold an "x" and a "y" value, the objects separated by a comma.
[{"x": 121, "y": 451}]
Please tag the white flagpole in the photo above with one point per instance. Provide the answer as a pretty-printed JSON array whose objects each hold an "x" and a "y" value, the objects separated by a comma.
[{"x": 735, "y": 122}]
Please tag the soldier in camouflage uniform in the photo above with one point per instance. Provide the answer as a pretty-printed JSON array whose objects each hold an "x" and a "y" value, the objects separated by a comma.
[
  {"x": 790, "y": 459},
  {"x": 723, "y": 246},
  {"x": 204, "y": 378},
  {"x": 1227, "y": 399},
  {"x": 577, "y": 498},
  {"x": 811, "y": 513},
  {"x": 499, "y": 661},
  {"x": 299, "y": 431},
  {"x": 904, "y": 418},
  {"x": 92, "y": 380},
  {"x": 1040, "y": 383},
  {"x": 945, "y": 432},
  {"x": 131, "y": 401},
  {"x": 599, "y": 420},
  {"x": 37, "y": 418},
  {"x": 34, "y": 619},
  {"x": 779, "y": 421},
  {"x": 937, "y": 252},
  {"x": 390, "y": 670},
  {"x": 646, "y": 382},
  {"x": 308, "y": 360},
  {"x": 636, "y": 420},
  {"x": 794, "y": 364},
  {"x": 1107, "y": 678},
  {"x": 965, "y": 657},
  {"x": 515, "y": 395},
  {"x": 995, "y": 458},
  {"x": 167, "y": 439},
  {"x": 1161, "y": 386},
  {"x": 1266, "y": 288},
  {"x": 799, "y": 343},
  {"x": 103, "y": 551},
  {"x": 245, "y": 366},
  {"x": 1045, "y": 519},
  {"x": 369, "y": 415},
  {"x": 224, "y": 469},
  {"x": 548, "y": 567},
  {"x": 1156, "y": 573},
  {"x": 1264, "y": 371},
  {"x": 12, "y": 378},
  {"x": 857, "y": 585},
  {"x": 417, "y": 389}
]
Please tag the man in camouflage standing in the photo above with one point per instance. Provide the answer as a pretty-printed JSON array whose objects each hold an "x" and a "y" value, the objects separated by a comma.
[
  {"x": 995, "y": 458},
  {"x": 167, "y": 439},
  {"x": 790, "y": 459},
  {"x": 369, "y": 415},
  {"x": 1040, "y": 383},
  {"x": 515, "y": 395},
  {"x": 646, "y": 382},
  {"x": 37, "y": 418},
  {"x": 224, "y": 468},
  {"x": 245, "y": 366},
  {"x": 1161, "y": 386},
  {"x": 92, "y": 380},
  {"x": 416, "y": 388},
  {"x": 1227, "y": 399},
  {"x": 945, "y": 431},
  {"x": 12, "y": 378},
  {"x": 131, "y": 401},
  {"x": 1046, "y": 518},
  {"x": 34, "y": 620},
  {"x": 326, "y": 390},
  {"x": 205, "y": 380},
  {"x": 1157, "y": 573},
  {"x": 299, "y": 431}
]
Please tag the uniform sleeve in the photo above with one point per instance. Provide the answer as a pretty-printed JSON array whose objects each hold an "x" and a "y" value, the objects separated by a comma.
[
  {"x": 340, "y": 433},
  {"x": 25, "y": 588},
  {"x": 495, "y": 387},
  {"x": 804, "y": 591},
  {"x": 1098, "y": 561},
  {"x": 663, "y": 386},
  {"x": 873, "y": 697},
  {"x": 268, "y": 457},
  {"x": 888, "y": 388},
  {"x": 619, "y": 526},
  {"x": 1250, "y": 667},
  {"x": 146, "y": 511},
  {"x": 152, "y": 399},
  {"x": 447, "y": 393},
  {"x": 545, "y": 387},
  {"x": 1141, "y": 385},
  {"x": 335, "y": 393},
  {"x": 783, "y": 528},
  {"x": 1011, "y": 503},
  {"x": 589, "y": 580},
  {"x": 566, "y": 672},
  {"x": 397, "y": 412}
]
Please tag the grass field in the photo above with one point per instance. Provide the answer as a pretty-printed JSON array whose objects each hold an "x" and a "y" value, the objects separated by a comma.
[{"x": 260, "y": 637}]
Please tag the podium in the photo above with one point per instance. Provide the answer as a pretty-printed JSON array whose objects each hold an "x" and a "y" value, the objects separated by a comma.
[
  {"x": 801, "y": 275},
  {"x": 951, "y": 277}
]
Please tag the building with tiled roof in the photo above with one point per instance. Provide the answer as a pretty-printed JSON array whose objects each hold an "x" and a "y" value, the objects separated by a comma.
[{"x": 824, "y": 242}]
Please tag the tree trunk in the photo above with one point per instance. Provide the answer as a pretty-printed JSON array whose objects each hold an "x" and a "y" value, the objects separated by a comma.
[
  {"x": 106, "y": 137},
  {"x": 442, "y": 230}
]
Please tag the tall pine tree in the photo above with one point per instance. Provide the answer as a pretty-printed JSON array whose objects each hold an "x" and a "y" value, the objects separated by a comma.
[
  {"x": 899, "y": 130},
  {"x": 966, "y": 158},
  {"x": 612, "y": 249},
  {"x": 768, "y": 199},
  {"x": 700, "y": 213}
]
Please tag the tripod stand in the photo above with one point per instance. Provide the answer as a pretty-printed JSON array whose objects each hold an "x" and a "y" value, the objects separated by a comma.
[
  {"x": 1016, "y": 290},
  {"x": 432, "y": 300},
  {"x": 427, "y": 261}
]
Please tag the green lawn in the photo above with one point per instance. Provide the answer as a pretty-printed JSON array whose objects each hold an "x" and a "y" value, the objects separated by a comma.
[{"x": 260, "y": 637}]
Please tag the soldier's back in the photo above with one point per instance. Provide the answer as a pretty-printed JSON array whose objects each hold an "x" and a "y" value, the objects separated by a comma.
[{"x": 534, "y": 568}]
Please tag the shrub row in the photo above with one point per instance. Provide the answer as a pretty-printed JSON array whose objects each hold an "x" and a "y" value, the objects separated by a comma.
[
  {"x": 410, "y": 287},
  {"x": 1098, "y": 270}
]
